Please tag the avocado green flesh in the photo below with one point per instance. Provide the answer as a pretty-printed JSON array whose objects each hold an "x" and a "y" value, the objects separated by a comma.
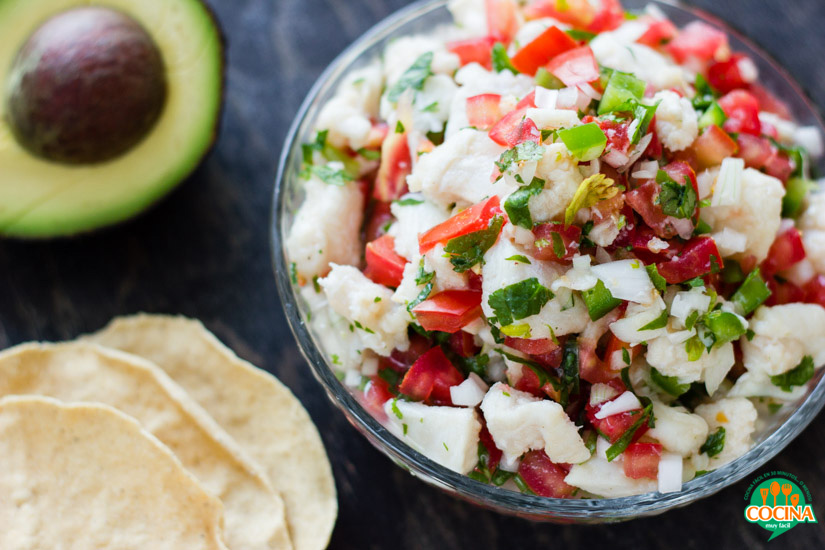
[{"x": 39, "y": 198}]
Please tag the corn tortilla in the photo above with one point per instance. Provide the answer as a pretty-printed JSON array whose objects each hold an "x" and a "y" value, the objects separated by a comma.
[
  {"x": 85, "y": 372},
  {"x": 259, "y": 412},
  {"x": 87, "y": 476}
]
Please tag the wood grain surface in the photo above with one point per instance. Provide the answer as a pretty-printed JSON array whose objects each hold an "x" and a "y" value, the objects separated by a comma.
[{"x": 204, "y": 252}]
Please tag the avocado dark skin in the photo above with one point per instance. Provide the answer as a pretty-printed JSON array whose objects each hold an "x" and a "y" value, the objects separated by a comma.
[{"x": 87, "y": 86}]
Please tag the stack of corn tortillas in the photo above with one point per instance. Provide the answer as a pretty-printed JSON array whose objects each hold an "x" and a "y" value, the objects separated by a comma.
[{"x": 153, "y": 434}]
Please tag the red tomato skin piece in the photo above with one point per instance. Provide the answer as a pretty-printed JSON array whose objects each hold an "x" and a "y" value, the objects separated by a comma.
[
  {"x": 376, "y": 394},
  {"x": 815, "y": 290},
  {"x": 696, "y": 259},
  {"x": 431, "y": 375},
  {"x": 570, "y": 237},
  {"x": 449, "y": 310},
  {"x": 515, "y": 128},
  {"x": 396, "y": 165},
  {"x": 712, "y": 147},
  {"x": 742, "y": 110},
  {"x": 541, "y": 50},
  {"x": 483, "y": 110},
  {"x": 726, "y": 76},
  {"x": 384, "y": 266},
  {"x": 474, "y": 50},
  {"x": 574, "y": 67},
  {"x": 472, "y": 219},
  {"x": 544, "y": 477},
  {"x": 699, "y": 41},
  {"x": 502, "y": 22},
  {"x": 658, "y": 32},
  {"x": 641, "y": 460},
  {"x": 786, "y": 251}
]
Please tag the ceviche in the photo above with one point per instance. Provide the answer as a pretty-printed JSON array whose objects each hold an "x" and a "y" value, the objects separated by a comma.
[{"x": 564, "y": 249}]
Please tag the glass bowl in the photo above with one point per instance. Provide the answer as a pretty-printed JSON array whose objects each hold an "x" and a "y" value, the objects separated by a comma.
[{"x": 422, "y": 17}]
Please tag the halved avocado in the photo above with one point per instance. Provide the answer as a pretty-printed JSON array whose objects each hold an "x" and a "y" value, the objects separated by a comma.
[{"x": 47, "y": 191}]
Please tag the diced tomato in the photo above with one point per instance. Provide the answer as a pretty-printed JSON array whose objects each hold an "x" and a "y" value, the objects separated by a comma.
[
  {"x": 579, "y": 13},
  {"x": 787, "y": 249},
  {"x": 655, "y": 150},
  {"x": 658, "y": 33},
  {"x": 542, "y": 49},
  {"x": 376, "y": 394},
  {"x": 726, "y": 76},
  {"x": 780, "y": 166},
  {"x": 502, "y": 21},
  {"x": 614, "y": 356},
  {"x": 614, "y": 426},
  {"x": 609, "y": 16},
  {"x": 396, "y": 165},
  {"x": 483, "y": 110},
  {"x": 493, "y": 452},
  {"x": 529, "y": 382},
  {"x": 712, "y": 147},
  {"x": 576, "y": 66},
  {"x": 463, "y": 344},
  {"x": 384, "y": 266},
  {"x": 545, "y": 241},
  {"x": 537, "y": 346},
  {"x": 755, "y": 151},
  {"x": 742, "y": 110},
  {"x": 378, "y": 221},
  {"x": 591, "y": 368},
  {"x": 528, "y": 101},
  {"x": 449, "y": 310},
  {"x": 641, "y": 460},
  {"x": 544, "y": 477},
  {"x": 698, "y": 41},
  {"x": 618, "y": 137},
  {"x": 643, "y": 201},
  {"x": 473, "y": 281},
  {"x": 515, "y": 128},
  {"x": 697, "y": 258},
  {"x": 431, "y": 377},
  {"x": 784, "y": 293},
  {"x": 815, "y": 290},
  {"x": 472, "y": 219},
  {"x": 769, "y": 102},
  {"x": 474, "y": 50},
  {"x": 400, "y": 361}
]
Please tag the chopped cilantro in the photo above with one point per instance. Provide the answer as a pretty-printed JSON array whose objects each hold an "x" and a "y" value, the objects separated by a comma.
[
  {"x": 399, "y": 127},
  {"x": 330, "y": 175},
  {"x": 316, "y": 285},
  {"x": 518, "y": 258},
  {"x": 519, "y": 300},
  {"x": 675, "y": 199},
  {"x": 658, "y": 281},
  {"x": 307, "y": 149},
  {"x": 409, "y": 201},
  {"x": 657, "y": 323},
  {"x": 569, "y": 371},
  {"x": 404, "y": 428},
  {"x": 293, "y": 273},
  {"x": 523, "y": 152},
  {"x": 468, "y": 250},
  {"x": 335, "y": 359},
  {"x": 425, "y": 292},
  {"x": 516, "y": 204},
  {"x": 773, "y": 408},
  {"x": 625, "y": 356},
  {"x": 377, "y": 299},
  {"x": 670, "y": 384},
  {"x": 715, "y": 442},
  {"x": 558, "y": 245},
  {"x": 580, "y": 36},
  {"x": 423, "y": 276},
  {"x": 798, "y": 376},
  {"x": 501, "y": 61},
  {"x": 627, "y": 437},
  {"x": 369, "y": 154},
  {"x": 522, "y": 485},
  {"x": 395, "y": 410},
  {"x": 431, "y": 108},
  {"x": 413, "y": 77}
]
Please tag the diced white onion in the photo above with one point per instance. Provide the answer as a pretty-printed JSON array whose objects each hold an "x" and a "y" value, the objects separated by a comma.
[
  {"x": 686, "y": 302},
  {"x": 509, "y": 464},
  {"x": 352, "y": 379},
  {"x": 589, "y": 91},
  {"x": 369, "y": 367},
  {"x": 683, "y": 226},
  {"x": 748, "y": 70},
  {"x": 626, "y": 280},
  {"x": 680, "y": 337},
  {"x": 553, "y": 119},
  {"x": 567, "y": 98},
  {"x": 470, "y": 392},
  {"x": 638, "y": 151},
  {"x": 579, "y": 277},
  {"x": 670, "y": 473},
  {"x": 728, "y": 191},
  {"x": 528, "y": 170},
  {"x": 616, "y": 159},
  {"x": 601, "y": 447},
  {"x": 704, "y": 181},
  {"x": 546, "y": 99},
  {"x": 646, "y": 170},
  {"x": 810, "y": 138},
  {"x": 599, "y": 393},
  {"x": 625, "y": 402},
  {"x": 730, "y": 241},
  {"x": 628, "y": 328}
]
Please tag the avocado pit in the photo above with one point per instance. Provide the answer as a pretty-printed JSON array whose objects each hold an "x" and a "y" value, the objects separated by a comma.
[{"x": 86, "y": 87}]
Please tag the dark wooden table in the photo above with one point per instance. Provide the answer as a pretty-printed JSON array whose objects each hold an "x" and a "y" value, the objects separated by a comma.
[{"x": 204, "y": 252}]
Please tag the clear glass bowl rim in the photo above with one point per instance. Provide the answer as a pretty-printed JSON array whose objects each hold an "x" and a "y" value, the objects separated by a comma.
[{"x": 533, "y": 507}]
